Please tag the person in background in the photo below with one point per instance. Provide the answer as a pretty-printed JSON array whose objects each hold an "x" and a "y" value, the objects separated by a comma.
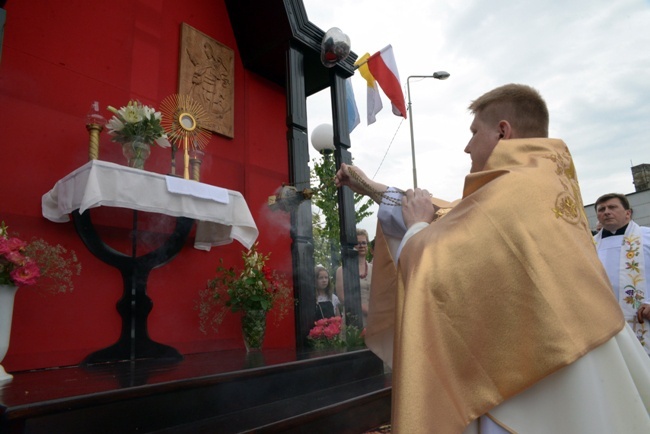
[
  {"x": 327, "y": 303},
  {"x": 624, "y": 249},
  {"x": 598, "y": 228},
  {"x": 495, "y": 312},
  {"x": 365, "y": 274}
]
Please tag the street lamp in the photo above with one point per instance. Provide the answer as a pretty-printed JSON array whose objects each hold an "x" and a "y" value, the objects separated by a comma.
[
  {"x": 439, "y": 75},
  {"x": 322, "y": 139}
]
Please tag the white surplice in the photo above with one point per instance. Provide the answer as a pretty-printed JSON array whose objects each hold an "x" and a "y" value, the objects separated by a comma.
[{"x": 626, "y": 258}]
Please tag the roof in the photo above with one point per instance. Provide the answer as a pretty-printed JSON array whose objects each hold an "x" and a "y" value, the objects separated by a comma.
[{"x": 265, "y": 30}]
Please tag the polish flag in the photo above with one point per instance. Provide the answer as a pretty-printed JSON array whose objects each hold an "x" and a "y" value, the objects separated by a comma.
[{"x": 383, "y": 67}]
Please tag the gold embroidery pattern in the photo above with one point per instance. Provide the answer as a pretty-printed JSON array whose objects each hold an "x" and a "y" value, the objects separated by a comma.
[
  {"x": 441, "y": 213},
  {"x": 568, "y": 204},
  {"x": 566, "y": 208},
  {"x": 634, "y": 296}
]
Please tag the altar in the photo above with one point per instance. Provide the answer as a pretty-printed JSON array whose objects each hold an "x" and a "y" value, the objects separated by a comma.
[{"x": 222, "y": 217}]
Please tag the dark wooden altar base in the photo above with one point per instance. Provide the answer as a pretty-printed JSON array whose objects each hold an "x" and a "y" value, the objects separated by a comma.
[{"x": 222, "y": 392}]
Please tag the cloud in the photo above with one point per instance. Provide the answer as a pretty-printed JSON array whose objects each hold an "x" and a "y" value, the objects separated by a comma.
[{"x": 588, "y": 58}]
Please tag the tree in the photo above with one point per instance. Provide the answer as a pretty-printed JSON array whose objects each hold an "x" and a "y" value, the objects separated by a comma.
[
  {"x": 322, "y": 245},
  {"x": 327, "y": 240}
]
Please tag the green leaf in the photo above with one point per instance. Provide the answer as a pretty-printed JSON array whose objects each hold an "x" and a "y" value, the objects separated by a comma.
[{"x": 326, "y": 232}]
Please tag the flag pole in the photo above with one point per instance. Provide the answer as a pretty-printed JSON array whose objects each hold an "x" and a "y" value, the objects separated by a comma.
[{"x": 357, "y": 65}]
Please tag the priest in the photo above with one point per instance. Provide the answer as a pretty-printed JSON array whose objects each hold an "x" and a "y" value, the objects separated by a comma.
[
  {"x": 624, "y": 249},
  {"x": 495, "y": 312}
]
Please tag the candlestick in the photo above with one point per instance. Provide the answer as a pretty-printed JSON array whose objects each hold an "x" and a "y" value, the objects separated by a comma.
[{"x": 94, "y": 124}]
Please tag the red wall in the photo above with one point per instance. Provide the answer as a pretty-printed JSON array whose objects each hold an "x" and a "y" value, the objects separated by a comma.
[{"x": 57, "y": 58}]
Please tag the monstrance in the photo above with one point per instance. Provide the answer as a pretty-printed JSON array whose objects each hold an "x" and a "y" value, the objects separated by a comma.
[{"x": 181, "y": 119}]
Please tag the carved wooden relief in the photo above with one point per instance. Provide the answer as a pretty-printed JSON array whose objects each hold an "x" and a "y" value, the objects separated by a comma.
[{"x": 207, "y": 75}]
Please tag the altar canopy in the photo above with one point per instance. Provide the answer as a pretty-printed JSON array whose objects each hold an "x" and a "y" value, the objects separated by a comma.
[{"x": 222, "y": 215}]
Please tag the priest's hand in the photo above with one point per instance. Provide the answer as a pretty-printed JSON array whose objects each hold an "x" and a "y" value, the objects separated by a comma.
[
  {"x": 417, "y": 207},
  {"x": 643, "y": 312},
  {"x": 359, "y": 182}
]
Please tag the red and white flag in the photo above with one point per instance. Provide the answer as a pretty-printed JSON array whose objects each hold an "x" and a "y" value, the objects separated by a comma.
[{"x": 383, "y": 67}]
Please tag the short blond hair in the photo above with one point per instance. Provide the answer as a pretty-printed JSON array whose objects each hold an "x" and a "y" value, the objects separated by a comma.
[
  {"x": 364, "y": 233},
  {"x": 521, "y": 105}
]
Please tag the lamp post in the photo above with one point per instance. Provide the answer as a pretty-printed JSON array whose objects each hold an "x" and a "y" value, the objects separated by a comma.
[{"x": 439, "y": 75}]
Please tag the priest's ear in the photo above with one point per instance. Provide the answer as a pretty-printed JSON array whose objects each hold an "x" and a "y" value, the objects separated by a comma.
[{"x": 505, "y": 130}]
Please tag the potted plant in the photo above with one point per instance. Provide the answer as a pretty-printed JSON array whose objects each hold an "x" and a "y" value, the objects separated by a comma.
[
  {"x": 254, "y": 291},
  {"x": 26, "y": 264},
  {"x": 329, "y": 333}
]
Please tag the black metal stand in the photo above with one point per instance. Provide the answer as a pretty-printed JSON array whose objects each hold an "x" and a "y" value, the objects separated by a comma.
[{"x": 135, "y": 305}]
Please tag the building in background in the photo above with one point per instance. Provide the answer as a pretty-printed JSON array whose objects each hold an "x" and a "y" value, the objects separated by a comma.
[{"x": 639, "y": 199}]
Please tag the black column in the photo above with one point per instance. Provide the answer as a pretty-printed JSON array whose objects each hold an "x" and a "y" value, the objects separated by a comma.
[
  {"x": 347, "y": 213},
  {"x": 302, "y": 249}
]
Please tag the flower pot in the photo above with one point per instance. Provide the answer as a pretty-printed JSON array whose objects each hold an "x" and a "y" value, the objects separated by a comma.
[
  {"x": 7, "y": 293},
  {"x": 253, "y": 325},
  {"x": 136, "y": 152}
]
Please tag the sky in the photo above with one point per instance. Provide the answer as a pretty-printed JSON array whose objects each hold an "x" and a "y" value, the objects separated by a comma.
[{"x": 590, "y": 60}]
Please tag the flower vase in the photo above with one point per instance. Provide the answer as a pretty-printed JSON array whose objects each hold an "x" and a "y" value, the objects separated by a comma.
[
  {"x": 136, "y": 152},
  {"x": 253, "y": 325},
  {"x": 7, "y": 293}
]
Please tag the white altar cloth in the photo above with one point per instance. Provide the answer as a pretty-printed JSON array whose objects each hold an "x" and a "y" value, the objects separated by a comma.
[{"x": 100, "y": 183}]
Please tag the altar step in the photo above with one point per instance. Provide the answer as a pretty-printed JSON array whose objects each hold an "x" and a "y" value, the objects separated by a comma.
[
  {"x": 352, "y": 408},
  {"x": 226, "y": 392}
]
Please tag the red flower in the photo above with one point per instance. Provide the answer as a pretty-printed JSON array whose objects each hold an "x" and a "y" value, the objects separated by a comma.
[
  {"x": 25, "y": 275},
  {"x": 22, "y": 263},
  {"x": 328, "y": 328},
  {"x": 15, "y": 257},
  {"x": 8, "y": 245},
  {"x": 332, "y": 331},
  {"x": 316, "y": 332},
  {"x": 323, "y": 322}
]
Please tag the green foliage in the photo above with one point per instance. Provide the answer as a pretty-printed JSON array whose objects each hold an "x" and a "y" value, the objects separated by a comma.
[
  {"x": 255, "y": 287},
  {"x": 354, "y": 338},
  {"x": 327, "y": 244},
  {"x": 323, "y": 252},
  {"x": 136, "y": 120}
]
